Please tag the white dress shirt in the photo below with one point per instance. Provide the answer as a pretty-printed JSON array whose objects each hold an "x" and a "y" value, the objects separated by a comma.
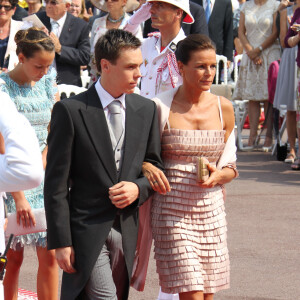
[
  {"x": 106, "y": 99},
  {"x": 153, "y": 58},
  {"x": 61, "y": 23}
]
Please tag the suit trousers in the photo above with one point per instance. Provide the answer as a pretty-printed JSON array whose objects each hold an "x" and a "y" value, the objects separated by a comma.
[{"x": 109, "y": 278}]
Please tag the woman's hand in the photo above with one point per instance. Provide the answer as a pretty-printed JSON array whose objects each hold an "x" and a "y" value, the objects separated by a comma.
[
  {"x": 284, "y": 4},
  {"x": 214, "y": 177},
  {"x": 156, "y": 178},
  {"x": 296, "y": 27},
  {"x": 23, "y": 210},
  {"x": 2, "y": 145},
  {"x": 253, "y": 53},
  {"x": 258, "y": 61}
]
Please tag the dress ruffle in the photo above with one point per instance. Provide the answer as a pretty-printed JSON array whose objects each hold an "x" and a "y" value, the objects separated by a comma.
[{"x": 189, "y": 225}]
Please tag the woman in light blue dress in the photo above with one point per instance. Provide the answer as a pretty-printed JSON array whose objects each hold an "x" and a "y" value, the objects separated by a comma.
[{"x": 32, "y": 87}]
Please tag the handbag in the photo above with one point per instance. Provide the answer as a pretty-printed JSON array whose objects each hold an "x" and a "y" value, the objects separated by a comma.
[
  {"x": 202, "y": 170},
  {"x": 14, "y": 228},
  {"x": 281, "y": 151}
]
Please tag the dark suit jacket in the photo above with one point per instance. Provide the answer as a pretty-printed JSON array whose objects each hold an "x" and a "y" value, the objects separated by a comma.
[
  {"x": 75, "y": 48},
  {"x": 80, "y": 157},
  {"x": 220, "y": 27},
  {"x": 199, "y": 26},
  {"x": 20, "y": 13}
]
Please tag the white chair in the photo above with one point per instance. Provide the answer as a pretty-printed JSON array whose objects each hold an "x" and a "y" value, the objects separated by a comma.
[
  {"x": 68, "y": 90},
  {"x": 224, "y": 60},
  {"x": 85, "y": 78},
  {"x": 224, "y": 90},
  {"x": 237, "y": 59},
  {"x": 240, "y": 110}
]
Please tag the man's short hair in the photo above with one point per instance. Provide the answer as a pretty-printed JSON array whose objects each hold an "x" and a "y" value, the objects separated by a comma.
[{"x": 110, "y": 45}]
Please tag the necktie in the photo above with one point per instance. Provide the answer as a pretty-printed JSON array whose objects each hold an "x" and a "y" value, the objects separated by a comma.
[
  {"x": 116, "y": 118},
  {"x": 54, "y": 27},
  {"x": 207, "y": 10}
]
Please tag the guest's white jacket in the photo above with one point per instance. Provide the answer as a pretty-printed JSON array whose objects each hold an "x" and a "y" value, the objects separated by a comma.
[
  {"x": 15, "y": 26},
  {"x": 21, "y": 165}
]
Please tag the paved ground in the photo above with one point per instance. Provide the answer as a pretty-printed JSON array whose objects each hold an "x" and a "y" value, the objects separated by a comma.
[{"x": 263, "y": 214}]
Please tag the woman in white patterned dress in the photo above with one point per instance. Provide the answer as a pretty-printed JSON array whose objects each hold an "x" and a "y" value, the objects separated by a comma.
[
  {"x": 258, "y": 35},
  {"x": 188, "y": 222},
  {"x": 117, "y": 18}
]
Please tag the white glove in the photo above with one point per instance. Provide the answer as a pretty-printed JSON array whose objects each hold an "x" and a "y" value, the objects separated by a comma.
[{"x": 138, "y": 17}]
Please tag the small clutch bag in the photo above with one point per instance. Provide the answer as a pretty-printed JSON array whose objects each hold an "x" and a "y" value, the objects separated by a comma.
[
  {"x": 14, "y": 228},
  {"x": 202, "y": 170}
]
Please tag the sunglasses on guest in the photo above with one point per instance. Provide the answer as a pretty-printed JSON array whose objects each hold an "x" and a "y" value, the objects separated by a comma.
[
  {"x": 6, "y": 7},
  {"x": 52, "y": 2}
]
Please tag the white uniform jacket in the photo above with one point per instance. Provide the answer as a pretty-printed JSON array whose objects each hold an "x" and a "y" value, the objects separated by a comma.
[{"x": 159, "y": 70}]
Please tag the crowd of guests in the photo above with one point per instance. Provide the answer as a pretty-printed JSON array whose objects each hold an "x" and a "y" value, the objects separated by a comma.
[{"x": 107, "y": 150}]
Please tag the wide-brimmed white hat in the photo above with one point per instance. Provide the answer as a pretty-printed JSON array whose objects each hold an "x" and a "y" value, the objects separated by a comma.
[
  {"x": 182, "y": 4},
  {"x": 130, "y": 6}
]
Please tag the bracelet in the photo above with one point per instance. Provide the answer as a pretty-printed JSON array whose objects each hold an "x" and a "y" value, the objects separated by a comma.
[
  {"x": 233, "y": 167},
  {"x": 260, "y": 48}
]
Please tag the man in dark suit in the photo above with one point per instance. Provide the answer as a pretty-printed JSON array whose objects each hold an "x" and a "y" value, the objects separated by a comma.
[
  {"x": 199, "y": 25},
  {"x": 93, "y": 183},
  {"x": 220, "y": 26},
  {"x": 71, "y": 39}
]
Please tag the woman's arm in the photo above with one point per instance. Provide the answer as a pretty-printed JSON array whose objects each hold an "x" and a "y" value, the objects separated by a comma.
[
  {"x": 227, "y": 173},
  {"x": 23, "y": 210},
  {"x": 283, "y": 27},
  {"x": 156, "y": 178},
  {"x": 294, "y": 40},
  {"x": 242, "y": 34},
  {"x": 269, "y": 41}
]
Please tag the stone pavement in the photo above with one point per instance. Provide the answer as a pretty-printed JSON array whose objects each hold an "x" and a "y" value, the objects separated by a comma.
[{"x": 263, "y": 215}]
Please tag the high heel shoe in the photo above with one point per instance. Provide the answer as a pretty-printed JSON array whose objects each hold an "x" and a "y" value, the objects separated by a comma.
[
  {"x": 267, "y": 144},
  {"x": 251, "y": 142}
]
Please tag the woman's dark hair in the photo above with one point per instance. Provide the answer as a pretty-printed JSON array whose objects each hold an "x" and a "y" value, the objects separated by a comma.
[
  {"x": 32, "y": 40},
  {"x": 110, "y": 45},
  {"x": 191, "y": 43},
  {"x": 13, "y": 3}
]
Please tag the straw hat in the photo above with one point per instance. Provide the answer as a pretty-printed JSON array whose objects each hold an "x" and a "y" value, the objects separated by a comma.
[
  {"x": 130, "y": 6},
  {"x": 182, "y": 4}
]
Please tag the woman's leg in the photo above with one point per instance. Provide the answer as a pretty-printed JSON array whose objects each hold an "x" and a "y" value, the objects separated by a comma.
[
  {"x": 208, "y": 296},
  {"x": 11, "y": 279},
  {"x": 268, "y": 109},
  {"x": 253, "y": 113},
  {"x": 195, "y": 295},
  {"x": 291, "y": 130},
  {"x": 47, "y": 277}
]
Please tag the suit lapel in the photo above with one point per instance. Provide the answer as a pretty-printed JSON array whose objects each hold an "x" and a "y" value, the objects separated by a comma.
[
  {"x": 67, "y": 29},
  {"x": 133, "y": 129},
  {"x": 95, "y": 121},
  {"x": 46, "y": 21},
  {"x": 214, "y": 11}
]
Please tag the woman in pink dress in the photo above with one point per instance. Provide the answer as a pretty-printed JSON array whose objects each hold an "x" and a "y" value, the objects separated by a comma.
[{"x": 188, "y": 217}]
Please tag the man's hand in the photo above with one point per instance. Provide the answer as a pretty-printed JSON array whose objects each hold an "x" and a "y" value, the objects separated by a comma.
[
  {"x": 56, "y": 42},
  {"x": 123, "y": 194},
  {"x": 66, "y": 258}
]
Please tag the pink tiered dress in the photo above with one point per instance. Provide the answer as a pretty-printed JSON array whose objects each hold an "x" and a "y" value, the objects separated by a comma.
[{"x": 189, "y": 225}]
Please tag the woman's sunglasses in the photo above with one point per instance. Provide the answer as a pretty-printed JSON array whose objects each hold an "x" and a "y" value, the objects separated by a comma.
[{"x": 6, "y": 7}]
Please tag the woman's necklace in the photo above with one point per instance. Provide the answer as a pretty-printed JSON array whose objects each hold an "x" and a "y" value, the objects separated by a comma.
[{"x": 115, "y": 21}]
